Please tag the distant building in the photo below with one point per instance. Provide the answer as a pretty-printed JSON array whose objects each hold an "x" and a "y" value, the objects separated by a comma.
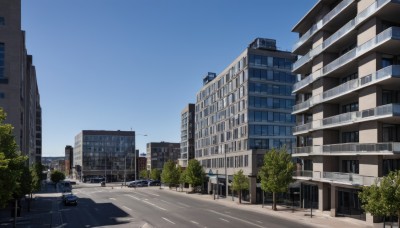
[
  {"x": 19, "y": 92},
  {"x": 160, "y": 152},
  {"x": 141, "y": 163},
  {"x": 243, "y": 112},
  {"x": 69, "y": 158},
  {"x": 187, "y": 135},
  {"x": 110, "y": 154}
]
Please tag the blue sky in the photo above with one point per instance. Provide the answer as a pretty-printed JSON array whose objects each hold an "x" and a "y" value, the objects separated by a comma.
[{"x": 135, "y": 64}]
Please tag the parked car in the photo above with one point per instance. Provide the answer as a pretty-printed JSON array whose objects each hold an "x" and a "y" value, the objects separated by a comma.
[
  {"x": 154, "y": 183},
  {"x": 137, "y": 183},
  {"x": 70, "y": 200}
]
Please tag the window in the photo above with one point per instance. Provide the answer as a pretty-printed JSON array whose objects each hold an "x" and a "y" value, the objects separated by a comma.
[
  {"x": 2, "y": 60},
  {"x": 350, "y": 137},
  {"x": 352, "y": 107},
  {"x": 350, "y": 166},
  {"x": 390, "y": 96},
  {"x": 390, "y": 165}
]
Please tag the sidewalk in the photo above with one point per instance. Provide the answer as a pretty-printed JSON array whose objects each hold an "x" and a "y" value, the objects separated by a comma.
[
  {"x": 44, "y": 211},
  {"x": 319, "y": 219}
]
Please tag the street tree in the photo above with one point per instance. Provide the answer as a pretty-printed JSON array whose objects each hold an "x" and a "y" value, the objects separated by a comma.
[
  {"x": 195, "y": 174},
  {"x": 11, "y": 162},
  {"x": 155, "y": 174},
  {"x": 170, "y": 174},
  {"x": 57, "y": 176},
  {"x": 183, "y": 178},
  {"x": 383, "y": 197},
  {"x": 240, "y": 182},
  {"x": 276, "y": 172},
  {"x": 144, "y": 174}
]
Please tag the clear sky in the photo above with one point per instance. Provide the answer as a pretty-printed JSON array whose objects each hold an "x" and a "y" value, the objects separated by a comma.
[{"x": 135, "y": 64}]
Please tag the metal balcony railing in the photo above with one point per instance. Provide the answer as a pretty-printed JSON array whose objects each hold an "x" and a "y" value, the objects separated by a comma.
[{"x": 317, "y": 26}]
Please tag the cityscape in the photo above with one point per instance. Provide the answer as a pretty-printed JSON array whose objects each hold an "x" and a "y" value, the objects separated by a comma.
[{"x": 301, "y": 132}]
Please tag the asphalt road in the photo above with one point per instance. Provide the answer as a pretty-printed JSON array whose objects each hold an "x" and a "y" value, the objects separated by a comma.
[{"x": 151, "y": 207}]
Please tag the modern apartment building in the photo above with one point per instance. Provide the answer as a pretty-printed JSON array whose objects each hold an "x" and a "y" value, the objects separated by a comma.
[
  {"x": 107, "y": 154},
  {"x": 19, "y": 93},
  {"x": 160, "y": 152},
  {"x": 347, "y": 111},
  {"x": 187, "y": 135},
  {"x": 243, "y": 112}
]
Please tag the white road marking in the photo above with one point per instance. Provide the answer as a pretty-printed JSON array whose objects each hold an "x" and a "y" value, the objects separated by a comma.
[
  {"x": 152, "y": 204},
  {"x": 194, "y": 222},
  {"x": 126, "y": 208},
  {"x": 133, "y": 197},
  {"x": 112, "y": 199},
  {"x": 258, "y": 221},
  {"x": 183, "y": 204},
  {"x": 168, "y": 220},
  {"x": 153, "y": 194},
  {"x": 242, "y": 220},
  {"x": 224, "y": 220}
]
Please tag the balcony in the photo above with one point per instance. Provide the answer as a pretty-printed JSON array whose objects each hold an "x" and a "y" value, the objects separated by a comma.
[
  {"x": 321, "y": 23},
  {"x": 386, "y": 148},
  {"x": 345, "y": 30},
  {"x": 384, "y": 111},
  {"x": 348, "y": 87},
  {"x": 336, "y": 177}
]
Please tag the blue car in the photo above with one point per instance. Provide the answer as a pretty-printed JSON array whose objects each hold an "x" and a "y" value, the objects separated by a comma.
[{"x": 70, "y": 200}]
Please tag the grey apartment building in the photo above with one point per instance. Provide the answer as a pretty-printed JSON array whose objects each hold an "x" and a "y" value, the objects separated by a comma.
[
  {"x": 187, "y": 135},
  {"x": 109, "y": 154},
  {"x": 160, "y": 152},
  {"x": 19, "y": 93},
  {"x": 245, "y": 111},
  {"x": 347, "y": 101}
]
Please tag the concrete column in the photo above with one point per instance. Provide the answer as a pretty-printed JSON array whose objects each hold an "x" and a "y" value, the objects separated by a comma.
[
  {"x": 253, "y": 189},
  {"x": 334, "y": 199},
  {"x": 321, "y": 191}
]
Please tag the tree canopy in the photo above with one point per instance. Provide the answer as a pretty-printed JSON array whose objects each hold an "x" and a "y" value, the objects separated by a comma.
[
  {"x": 170, "y": 174},
  {"x": 240, "y": 182},
  {"x": 144, "y": 174},
  {"x": 276, "y": 172},
  {"x": 155, "y": 174},
  {"x": 383, "y": 197},
  {"x": 194, "y": 173},
  {"x": 11, "y": 163},
  {"x": 57, "y": 176}
]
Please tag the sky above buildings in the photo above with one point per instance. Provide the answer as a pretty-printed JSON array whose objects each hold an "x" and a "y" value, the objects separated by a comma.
[{"x": 135, "y": 64}]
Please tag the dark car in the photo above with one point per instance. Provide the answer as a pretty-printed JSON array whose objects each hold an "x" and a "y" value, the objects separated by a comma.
[
  {"x": 70, "y": 200},
  {"x": 138, "y": 183},
  {"x": 154, "y": 183}
]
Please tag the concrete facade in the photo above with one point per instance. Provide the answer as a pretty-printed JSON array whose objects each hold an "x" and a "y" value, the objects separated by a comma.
[
  {"x": 19, "y": 93},
  {"x": 347, "y": 101},
  {"x": 160, "y": 152}
]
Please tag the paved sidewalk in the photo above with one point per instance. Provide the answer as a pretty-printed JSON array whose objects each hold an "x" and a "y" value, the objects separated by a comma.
[{"x": 319, "y": 219}]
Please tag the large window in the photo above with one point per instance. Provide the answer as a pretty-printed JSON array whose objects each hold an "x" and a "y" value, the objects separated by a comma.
[
  {"x": 348, "y": 137},
  {"x": 350, "y": 166},
  {"x": 352, "y": 107},
  {"x": 269, "y": 102},
  {"x": 390, "y": 165},
  {"x": 271, "y": 75},
  {"x": 2, "y": 60}
]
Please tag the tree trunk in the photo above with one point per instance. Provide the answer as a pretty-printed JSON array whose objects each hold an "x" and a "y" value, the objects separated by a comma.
[
  {"x": 240, "y": 196},
  {"x": 274, "y": 201}
]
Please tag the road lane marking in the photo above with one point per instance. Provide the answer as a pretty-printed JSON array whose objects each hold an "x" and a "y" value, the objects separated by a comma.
[
  {"x": 152, "y": 204},
  {"x": 242, "y": 220},
  {"x": 112, "y": 199},
  {"x": 224, "y": 220},
  {"x": 133, "y": 197},
  {"x": 258, "y": 221},
  {"x": 126, "y": 208},
  {"x": 183, "y": 204},
  {"x": 168, "y": 220},
  {"x": 153, "y": 194},
  {"x": 194, "y": 222}
]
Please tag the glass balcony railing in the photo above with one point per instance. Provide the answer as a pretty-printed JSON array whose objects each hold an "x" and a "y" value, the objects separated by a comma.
[
  {"x": 361, "y": 148},
  {"x": 369, "y": 11},
  {"x": 338, "y": 177},
  {"x": 317, "y": 26},
  {"x": 349, "y": 118},
  {"x": 350, "y": 86}
]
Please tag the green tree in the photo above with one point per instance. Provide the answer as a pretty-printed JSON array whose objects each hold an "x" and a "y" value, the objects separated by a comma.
[
  {"x": 195, "y": 174},
  {"x": 144, "y": 174},
  {"x": 383, "y": 197},
  {"x": 240, "y": 182},
  {"x": 57, "y": 176},
  {"x": 170, "y": 174},
  {"x": 276, "y": 172},
  {"x": 183, "y": 178},
  {"x": 155, "y": 174},
  {"x": 37, "y": 170},
  {"x": 11, "y": 162}
]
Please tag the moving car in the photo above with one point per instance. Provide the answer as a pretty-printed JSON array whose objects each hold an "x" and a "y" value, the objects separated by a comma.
[
  {"x": 70, "y": 200},
  {"x": 138, "y": 183},
  {"x": 154, "y": 183}
]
